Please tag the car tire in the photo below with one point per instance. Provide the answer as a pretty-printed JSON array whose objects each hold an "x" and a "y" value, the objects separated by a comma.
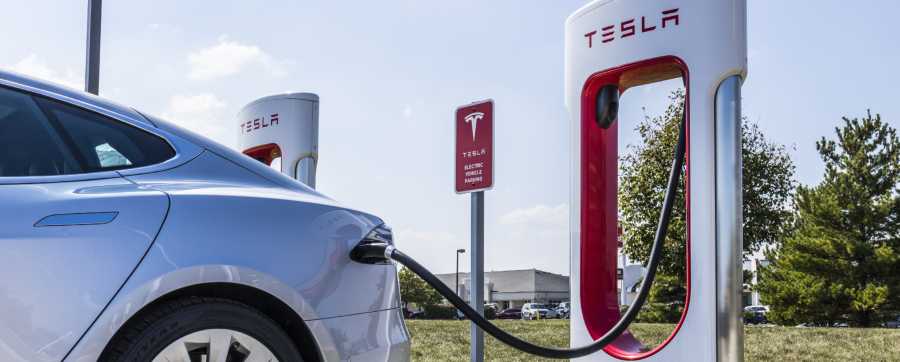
[{"x": 156, "y": 332}]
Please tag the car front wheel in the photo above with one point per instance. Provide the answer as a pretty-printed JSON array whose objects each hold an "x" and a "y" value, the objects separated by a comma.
[{"x": 202, "y": 329}]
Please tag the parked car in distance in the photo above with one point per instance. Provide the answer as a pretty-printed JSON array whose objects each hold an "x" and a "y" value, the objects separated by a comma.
[
  {"x": 511, "y": 313},
  {"x": 756, "y": 308},
  {"x": 562, "y": 310},
  {"x": 413, "y": 314},
  {"x": 755, "y": 314},
  {"x": 893, "y": 323},
  {"x": 532, "y": 311}
]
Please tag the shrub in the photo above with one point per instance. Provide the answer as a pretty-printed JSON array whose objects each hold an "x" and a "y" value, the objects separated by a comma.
[
  {"x": 449, "y": 312},
  {"x": 490, "y": 313},
  {"x": 439, "y": 312}
]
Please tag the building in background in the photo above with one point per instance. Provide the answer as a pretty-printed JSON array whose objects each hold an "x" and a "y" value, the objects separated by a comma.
[
  {"x": 753, "y": 264},
  {"x": 513, "y": 288},
  {"x": 629, "y": 274}
]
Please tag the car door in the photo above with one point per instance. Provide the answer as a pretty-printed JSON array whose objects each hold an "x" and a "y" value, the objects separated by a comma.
[{"x": 71, "y": 228}]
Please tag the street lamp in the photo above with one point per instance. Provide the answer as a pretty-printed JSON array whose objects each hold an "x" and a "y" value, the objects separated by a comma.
[
  {"x": 458, "y": 251},
  {"x": 92, "y": 59}
]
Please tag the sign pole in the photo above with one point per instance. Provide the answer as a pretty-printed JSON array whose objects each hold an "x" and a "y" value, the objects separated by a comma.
[{"x": 476, "y": 275}]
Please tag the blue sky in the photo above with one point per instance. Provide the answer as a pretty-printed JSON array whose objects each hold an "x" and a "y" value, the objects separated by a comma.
[{"x": 390, "y": 74}]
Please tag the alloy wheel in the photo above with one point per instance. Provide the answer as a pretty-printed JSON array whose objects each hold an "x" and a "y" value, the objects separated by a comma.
[{"x": 216, "y": 345}]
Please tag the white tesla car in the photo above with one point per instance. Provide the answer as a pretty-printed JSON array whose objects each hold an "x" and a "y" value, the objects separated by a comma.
[{"x": 126, "y": 238}]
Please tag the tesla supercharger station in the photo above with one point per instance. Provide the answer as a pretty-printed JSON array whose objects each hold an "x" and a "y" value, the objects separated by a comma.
[
  {"x": 630, "y": 43},
  {"x": 282, "y": 131}
]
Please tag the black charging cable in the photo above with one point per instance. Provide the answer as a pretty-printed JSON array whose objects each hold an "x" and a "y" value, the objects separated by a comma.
[{"x": 380, "y": 252}]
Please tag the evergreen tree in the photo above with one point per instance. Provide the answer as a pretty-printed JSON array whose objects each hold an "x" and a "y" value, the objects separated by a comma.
[
  {"x": 767, "y": 190},
  {"x": 843, "y": 262}
]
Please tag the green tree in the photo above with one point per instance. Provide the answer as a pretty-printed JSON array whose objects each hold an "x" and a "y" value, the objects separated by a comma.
[
  {"x": 843, "y": 262},
  {"x": 414, "y": 290},
  {"x": 768, "y": 181}
]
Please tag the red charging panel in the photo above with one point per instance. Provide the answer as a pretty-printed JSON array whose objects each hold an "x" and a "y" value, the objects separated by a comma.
[
  {"x": 599, "y": 214},
  {"x": 264, "y": 153}
]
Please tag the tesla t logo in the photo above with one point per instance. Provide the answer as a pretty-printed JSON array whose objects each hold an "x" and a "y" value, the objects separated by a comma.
[
  {"x": 472, "y": 118},
  {"x": 629, "y": 27},
  {"x": 259, "y": 123}
]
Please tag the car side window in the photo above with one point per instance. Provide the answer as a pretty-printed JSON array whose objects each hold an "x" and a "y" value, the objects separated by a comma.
[
  {"x": 29, "y": 145},
  {"x": 100, "y": 143}
]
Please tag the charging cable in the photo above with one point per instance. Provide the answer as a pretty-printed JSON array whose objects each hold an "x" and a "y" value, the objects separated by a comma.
[{"x": 379, "y": 252}]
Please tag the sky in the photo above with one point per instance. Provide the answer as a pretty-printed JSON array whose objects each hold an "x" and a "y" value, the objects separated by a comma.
[{"x": 390, "y": 75}]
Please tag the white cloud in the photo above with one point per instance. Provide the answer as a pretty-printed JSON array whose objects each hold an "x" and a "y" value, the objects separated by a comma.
[
  {"x": 531, "y": 237},
  {"x": 407, "y": 111},
  {"x": 34, "y": 66},
  {"x": 195, "y": 104},
  {"x": 229, "y": 57},
  {"x": 541, "y": 216},
  {"x": 201, "y": 113},
  {"x": 163, "y": 28}
]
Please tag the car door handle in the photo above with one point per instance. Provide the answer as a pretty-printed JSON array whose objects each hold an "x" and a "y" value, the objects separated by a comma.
[{"x": 81, "y": 218}]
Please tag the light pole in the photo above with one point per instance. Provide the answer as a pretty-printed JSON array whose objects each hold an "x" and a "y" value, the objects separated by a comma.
[
  {"x": 92, "y": 59},
  {"x": 458, "y": 251}
]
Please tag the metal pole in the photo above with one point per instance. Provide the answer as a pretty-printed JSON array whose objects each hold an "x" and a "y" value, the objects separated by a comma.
[
  {"x": 456, "y": 286},
  {"x": 624, "y": 287},
  {"x": 729, "y": 218},
  {"x": 92, "y": 61},
  {"x": 476, "y": 275}
]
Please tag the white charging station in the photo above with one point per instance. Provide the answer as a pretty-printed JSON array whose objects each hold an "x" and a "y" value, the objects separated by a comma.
[
  {"x": 282, "y": 131},
  {"x": 631, "y": 43}
]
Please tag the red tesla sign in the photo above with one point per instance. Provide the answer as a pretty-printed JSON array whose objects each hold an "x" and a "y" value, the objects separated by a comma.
[{"x": 475, "y": 147}]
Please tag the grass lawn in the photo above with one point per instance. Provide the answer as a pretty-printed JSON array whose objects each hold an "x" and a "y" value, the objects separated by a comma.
[{"x": 449, "y": 341}]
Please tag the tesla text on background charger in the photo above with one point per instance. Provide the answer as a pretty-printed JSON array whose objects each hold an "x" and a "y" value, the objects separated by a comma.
[{"x": 261, "y": 122}]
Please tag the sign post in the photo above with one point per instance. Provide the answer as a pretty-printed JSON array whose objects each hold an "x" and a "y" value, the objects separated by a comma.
[
  {"x": 474, "y": 167},
  {"x": 476, "y": 275}
]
